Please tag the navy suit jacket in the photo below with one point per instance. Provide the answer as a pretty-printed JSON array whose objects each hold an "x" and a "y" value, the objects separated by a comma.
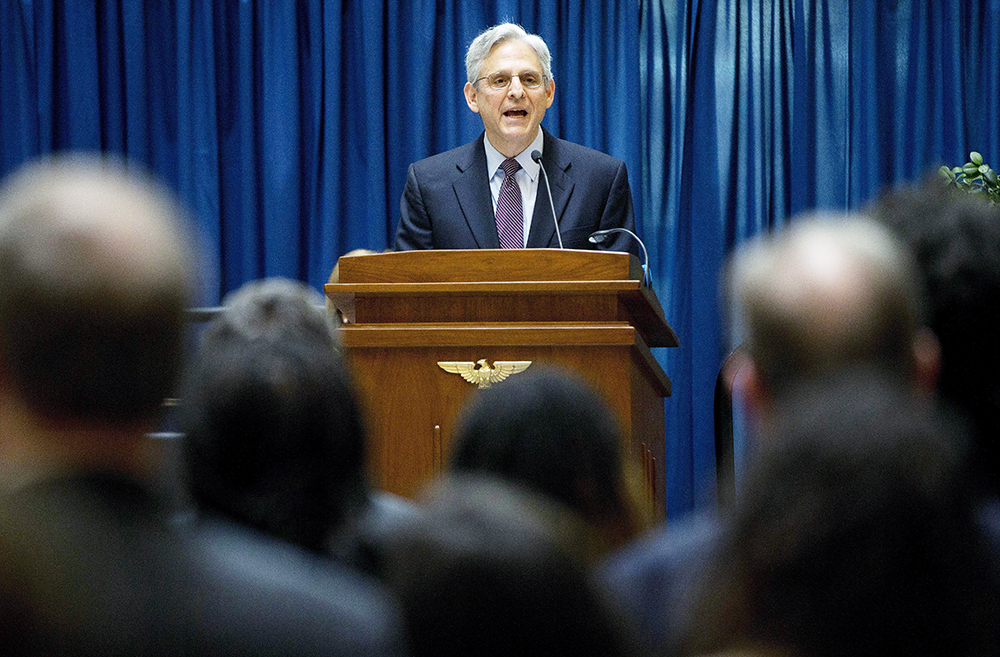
[
  {"x": 93, "y": 564},
  {"x": 446, "y": 203}
]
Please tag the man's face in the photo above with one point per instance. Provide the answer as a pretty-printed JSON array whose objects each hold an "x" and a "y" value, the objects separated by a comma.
[{"x": 510, "y": 115}]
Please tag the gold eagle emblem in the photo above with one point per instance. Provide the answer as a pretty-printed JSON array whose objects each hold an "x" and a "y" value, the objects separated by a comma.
[{"x": 480, "y": 373}]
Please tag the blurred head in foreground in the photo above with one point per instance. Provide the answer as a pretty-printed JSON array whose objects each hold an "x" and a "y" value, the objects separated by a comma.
[
  {"x": 484, "y": 572},
  {"x": 273, "y": 433},
  {"x": 825, "y": 293},
  {"x": 854, "y": 534},
  {"x": 94, "y": 277},
  {"x": 549, "y": 431},
  {"x": 955, "y": 240}
]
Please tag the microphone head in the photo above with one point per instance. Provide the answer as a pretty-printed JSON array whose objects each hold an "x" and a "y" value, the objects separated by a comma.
[
  {"x": 599, "y": 236},
  {"x": 536, "y": 155}
]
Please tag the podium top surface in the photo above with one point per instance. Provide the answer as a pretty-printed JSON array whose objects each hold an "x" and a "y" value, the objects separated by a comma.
[
  {"x": 479, "y": 265},
  {"x": 559, "y": 272}
]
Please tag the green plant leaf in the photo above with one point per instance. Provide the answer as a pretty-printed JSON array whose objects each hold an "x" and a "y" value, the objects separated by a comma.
[{"x": 976, "y": 158}]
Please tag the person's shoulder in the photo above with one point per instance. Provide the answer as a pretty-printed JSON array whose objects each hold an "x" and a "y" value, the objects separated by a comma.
[
  {"x": 269, "y": 586},
  {"x": 655, "y": 577},
  {"x": 663, "y": 554}
]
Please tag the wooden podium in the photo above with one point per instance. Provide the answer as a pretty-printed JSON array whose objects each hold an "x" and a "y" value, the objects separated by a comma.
[{"x": 586, "y": 311}]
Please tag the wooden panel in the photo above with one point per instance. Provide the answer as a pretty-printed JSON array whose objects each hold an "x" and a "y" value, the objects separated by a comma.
[
  {"x": 503, "y": 307},
  {"x": 447, "y": 289},
  {"x": 507, "y": 302},
  {"x": 646, "y": 409},
  {"x": 490, "y": 265},
  {"x": 410, "y": 335},
  {"x": 412, "y": 404}
]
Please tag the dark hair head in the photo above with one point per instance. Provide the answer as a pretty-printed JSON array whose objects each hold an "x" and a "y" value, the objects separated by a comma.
[
  {"x": 273, "y": 432},
  {"x": 955, "y": 239},
  {"x": 549, "y": 431},
  {"x": 854, "y": 533},
  {"x": 94, "y": 277},
  {"x": 481, "y": 572}
]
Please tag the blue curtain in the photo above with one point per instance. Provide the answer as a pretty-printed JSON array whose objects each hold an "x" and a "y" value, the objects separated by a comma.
[{"x": 286, "y": 126}]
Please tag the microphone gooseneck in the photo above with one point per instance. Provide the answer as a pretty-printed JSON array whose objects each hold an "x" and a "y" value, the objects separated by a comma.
[
  {"x": 599, "y": 236},
  {"x": 536, "y": 155}
]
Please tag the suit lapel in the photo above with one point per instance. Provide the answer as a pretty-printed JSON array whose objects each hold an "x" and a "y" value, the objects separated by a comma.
[
  {"x": 542, "y": 232},
  {"x": 472, "y": 188}
]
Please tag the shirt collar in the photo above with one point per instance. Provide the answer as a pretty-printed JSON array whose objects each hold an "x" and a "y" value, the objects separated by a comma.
[{"x": 494, "y": 158}]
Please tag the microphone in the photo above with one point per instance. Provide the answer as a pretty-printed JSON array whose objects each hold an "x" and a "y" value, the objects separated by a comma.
[
  {"x": 536, "y": 155},
  {"x": 599, "y": 236}
]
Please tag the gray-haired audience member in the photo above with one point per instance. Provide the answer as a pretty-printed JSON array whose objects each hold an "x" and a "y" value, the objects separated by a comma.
[
  {"x": 486, "y": 571},
  {"x": 827, "y": 292},
  {"x": 273, "y": 434},
  {"x": 824, "y": 294},
  {"x": 94, "y": 277}
]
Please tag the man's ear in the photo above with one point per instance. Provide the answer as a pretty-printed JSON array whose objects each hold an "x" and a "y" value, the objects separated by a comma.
[
  {"x": 926, "y": 360},
  {"x": 472, "y": 97},
  {"x": 756, "y": 396}
]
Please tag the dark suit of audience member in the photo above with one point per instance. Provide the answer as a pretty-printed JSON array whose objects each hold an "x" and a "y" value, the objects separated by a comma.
[
  {"x": 855, "y": 534},
  {"x": 94, "y": 277},
  {"x": 549, "y": 431},
  {"x": 450, "y": 199},
  {"x": 487, "y": 571},
  {"x": 824, "y": 294}
]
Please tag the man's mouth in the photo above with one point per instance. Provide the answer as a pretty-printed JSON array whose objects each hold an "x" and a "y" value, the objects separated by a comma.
[{"x": 516, "y": 113}]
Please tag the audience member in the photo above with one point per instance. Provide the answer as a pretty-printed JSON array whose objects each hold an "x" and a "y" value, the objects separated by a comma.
[
  {"x": 823, "y": 294},
  {"x": 955, "y": 240},
  {"x": 827, "y": 292},
  {"x": 855, "y": 534},
  {"x": 94, "y": 277},
  {"x": 549, "y": 431},
  {"x": 485, "y": 573},
  {"x": 273, "y": 433},
  {"x": 335, "y": 314}
]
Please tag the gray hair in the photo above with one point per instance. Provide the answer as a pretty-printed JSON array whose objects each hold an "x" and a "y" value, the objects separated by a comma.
[
  {"x": 828, "y": 291},
  {"x": 483, "y": 44}
]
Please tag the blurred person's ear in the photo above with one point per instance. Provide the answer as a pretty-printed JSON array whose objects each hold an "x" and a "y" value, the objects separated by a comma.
[
  {"x": 757, "y": 397},
  {"x": 926, "y": 361}
]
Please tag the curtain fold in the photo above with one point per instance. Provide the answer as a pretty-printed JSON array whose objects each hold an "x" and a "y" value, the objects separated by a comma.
[{"x": 287, "y": 126}]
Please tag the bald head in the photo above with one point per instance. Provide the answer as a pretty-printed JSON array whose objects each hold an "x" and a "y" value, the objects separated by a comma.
[
  {"x": 828, "y": 291},
  {"x": 93, "y": 283}
]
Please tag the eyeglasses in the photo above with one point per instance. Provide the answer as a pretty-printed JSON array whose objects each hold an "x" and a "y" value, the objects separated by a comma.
[{"x": 501, "y": 80}]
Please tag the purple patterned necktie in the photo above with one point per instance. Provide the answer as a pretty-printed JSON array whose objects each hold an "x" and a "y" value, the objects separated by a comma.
[{"x": 510, "y": 219}]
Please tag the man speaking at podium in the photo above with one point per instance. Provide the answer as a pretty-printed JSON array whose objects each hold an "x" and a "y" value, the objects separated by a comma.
[{"x": 491, "y": 193}]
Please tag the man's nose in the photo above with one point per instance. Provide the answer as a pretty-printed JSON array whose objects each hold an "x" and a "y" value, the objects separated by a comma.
[{"x": 515, "y": 89}]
